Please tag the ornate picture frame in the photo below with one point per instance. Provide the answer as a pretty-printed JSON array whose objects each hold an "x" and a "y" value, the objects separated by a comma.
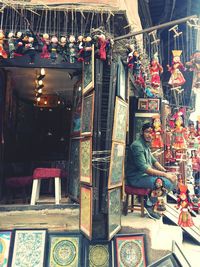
[
  {"x": 64, "y": 249},
  {"x": 5, "y": 245},
  {"x": 86, "y": 208},
  {"x": 130, "y": 250},
  {"x": 120, "y": 121},
  {"x": 148, "y": 104},
  {"x": 114, "y": 211},
  {"x": 29, "y": 247},
  {"x": 86, "y": 160},
  {"x": 98, "y": 253},
  {"x": 87, "y": 114},
  {"x": 116, "y": 170},
  {"x": 88, "y": 74}
]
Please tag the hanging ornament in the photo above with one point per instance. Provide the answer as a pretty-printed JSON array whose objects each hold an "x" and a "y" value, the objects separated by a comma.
[
  {"x": 176, "y": 78},
  {"x": 194, "y": 65},
  {"x": 155, "y": 70},
  {"x": 157, "y": 141},
  {"x": 3, "y": 53},
  {"x": 45, "y": 47}
]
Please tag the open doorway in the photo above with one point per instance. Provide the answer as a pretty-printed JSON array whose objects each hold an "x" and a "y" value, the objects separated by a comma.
[{"x": 36, "y": 128}]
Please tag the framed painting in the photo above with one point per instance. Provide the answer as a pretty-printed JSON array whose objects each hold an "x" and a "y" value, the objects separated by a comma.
[
  {"x": 86, "y": 207},
  {"x": 29, "y": 247},
  {"x": 148, "y": 104},
  {"x": 87, "y": 114},
  {"x": 88, "y": 74},
  {"x": 116, "y": 170},
  {"x": 98, "y": 253},
  {"x": 139, "y": 120},
  {"x": 5, "y": 242},
  {"x": 86, "y": 161},
  {"x": 74, "y": 169},
  {"x": 130, "y": 250},
  {"x": 121, "y": 80},
  {"x": 143, "y": 104},
  {"x": 64, "y": 249},
  {"x": 167, "y": 261},
  {"x": 114, "y": 211},
  {"x": 178, "y": 253},
  {"x": 120, "y": 121}
]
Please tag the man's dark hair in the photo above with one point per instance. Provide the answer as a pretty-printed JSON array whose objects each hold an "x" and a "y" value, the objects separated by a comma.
[{"x": 146, "y": 126}]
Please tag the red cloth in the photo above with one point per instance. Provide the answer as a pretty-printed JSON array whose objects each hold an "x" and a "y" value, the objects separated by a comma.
[
  {"x": 136, "y": 190},
  {"x": 45, "y": 173},
  {"x": 19, "y": 181}
]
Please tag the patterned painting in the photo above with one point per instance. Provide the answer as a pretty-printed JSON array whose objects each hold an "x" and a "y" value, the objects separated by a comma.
[
  {"x": 64, "y": 250},
  {"x": 88, "y": 74},
  {"x": 98, "y": 253},
  {"x": 116, "y": 172},
  {"x": 86, "y": 211},
  {"x": 5, "y": 239},
  {"x": 120, "y": 121},
  {"x": 74, "y": 169},
  {"x": 87, "y": 115},
  {"x": 114, "y": 212},
  {"x": 29, "y": 248},
  {"x": 86, "y": 161},
  {"x": 130, "y": 250}
]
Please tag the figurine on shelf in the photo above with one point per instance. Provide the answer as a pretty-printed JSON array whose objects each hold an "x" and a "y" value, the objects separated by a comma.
[
  {"x": 194, "y": 65},
  {"x": 155, "y": 70},
  {"x": 3, "y": 53},
  {"x": 157, "y": 141},
  {"x": 179, "y": 133},
  {"x": 176, "y": 78},
  {"x": 45, "y": 48},
  {"x": 184, "y": 205}
]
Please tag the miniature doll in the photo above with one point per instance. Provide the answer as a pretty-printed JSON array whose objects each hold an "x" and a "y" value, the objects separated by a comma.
[
  {"x": 102, "y": 44},
  {"x": 184, "y": 205},
  {"x": 45, "y": 48},
  {"x": 155, "y": 70},
  {"x": 176, "y": 78},
  {"x": 87, "y": 49},
  {"x": 157, "y": 141},
  {"x": 11, "y": 44},
  {"x": 179, "y": 133},
  {"x": 192, "y": 134},
  {"x": 80, "y": 44},
  {"x": 168, "y": 156},
  {"x": 72, "y": 49},
  {"x": 30, "y": 49},
  {"x": 54, "y": 49},
  {"x": 194, "y": 65},
  {"x": 63, "y": 48},
  {"x": 3, "y": 53},
  {"x": 19, "y": 46}
]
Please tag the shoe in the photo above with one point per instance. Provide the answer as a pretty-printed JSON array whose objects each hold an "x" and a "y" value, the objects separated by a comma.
[{"x": 151, "y": 213}]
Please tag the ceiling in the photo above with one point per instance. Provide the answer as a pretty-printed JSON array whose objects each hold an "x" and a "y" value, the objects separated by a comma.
[{"x": 56, "y": 81}]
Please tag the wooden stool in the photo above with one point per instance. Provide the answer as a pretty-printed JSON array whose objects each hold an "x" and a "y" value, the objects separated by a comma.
[
  {"x": 46, "y": 173},
  {"x": 131, "y": 191}
]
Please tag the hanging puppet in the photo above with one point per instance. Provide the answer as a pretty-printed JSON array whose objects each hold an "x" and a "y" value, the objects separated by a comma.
[
  {"x": 192, "y": 136},
  {"x": 157, "y": 141},
  {"x": 184, "y": 205},
  {"x": 72, "y": 49},
  {"x": 63, "y": 48},
  {"x": 155, "y": 70},
  {"x": 176, "y": 78},
  {"x": 45, "y": 47},
  {"x": 103, "y": 46},
  {"x": 54, "y": 49},
  {"x": 194, "y": 65},
  {"x": 179, "y": 133},
  {"x": 80, "y": 45},
  {"x": 30, "y": 49},
  {"x": 19, "y": 46},
  {"x": 3, "y": 53},
  {"x": 168, "y": 156},
  {"x": 11, "y": 44}
]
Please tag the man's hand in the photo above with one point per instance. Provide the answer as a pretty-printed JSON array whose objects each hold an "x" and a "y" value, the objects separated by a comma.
[{"x": 172, "y": 177}]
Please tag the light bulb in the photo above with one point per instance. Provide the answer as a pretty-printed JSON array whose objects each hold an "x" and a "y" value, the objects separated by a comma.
[
  {"x": 42, "y": 72},
  {"x": 40, "y": 91},
  {"x": 38, "y": 99},
  {"x": 40, "y": 82}
]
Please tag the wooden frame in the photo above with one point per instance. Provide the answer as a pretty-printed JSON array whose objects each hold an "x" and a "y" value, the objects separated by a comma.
[
  {"x": 86, "y": 160},
  {"x": 29, "y": 247},
  {"x": 180, "y": 255},
  {"x": 5, "y": 245},
  {"x": 116, "y": 170},
  {"x": 64, "y": 249},
  {"x": 169, "y": 260},
  {"x": 130, "y": 250},
  {"x": 120, "y": 121},
  {"x": 98, "y": 253},
  {"x": 88, "y": 69},
  {"x": 149, "y": 104},
  {"x": 86, "y": 208},
  {"x": 121, "y": 80},
  {"x": 87, "y": 114},
  {"x": 114, "y": 212}
]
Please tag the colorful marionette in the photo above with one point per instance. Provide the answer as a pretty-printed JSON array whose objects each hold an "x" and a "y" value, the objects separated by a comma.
[
  {"x": 194, "y": 65},
  {"x": 45, "y": 47},
  {"x": 19, "y": 46},
  {"x": 168, "y": 156},
  {"x": 157, "y": 194},
  {"x": 3, "y": 53},
  {"x": 155, "y": 70},
  {"x": 63, "y": 48},
  {"x": 157, "y": 141},
  {"x": 72, "y": 49},
  {"x": 137, "y": 69},
  {"x": 179, "y": 133},
  {"x": 11, "y": 44},
  {"x": 87, "y": 49},
  {"x": 102, "y": 44},
  {"x": 80, "y": 45},
  {"x": 151, "y": 92},
  {"x": 176, "y": 78},
  {"x": 192, "y": 136},
  {"x": 54, "y": 49},
  {"x": 30, "y": 49},
  {"x": 184, "y": 205}
]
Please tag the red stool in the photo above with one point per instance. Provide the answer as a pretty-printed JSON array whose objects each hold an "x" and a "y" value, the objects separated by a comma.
[
  {"x": 46, "y": 173},
  {"x": 135, "y": 191}
]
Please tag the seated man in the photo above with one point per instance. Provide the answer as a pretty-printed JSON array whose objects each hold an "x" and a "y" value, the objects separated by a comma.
[{"x": 143, "y": 169}]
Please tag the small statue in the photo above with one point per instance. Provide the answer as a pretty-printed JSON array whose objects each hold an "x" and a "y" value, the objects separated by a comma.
[
  {"x": 155, "y": 70},
  {"x": 157, "y": 141},
  {"x": 177, "y": 78}
]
